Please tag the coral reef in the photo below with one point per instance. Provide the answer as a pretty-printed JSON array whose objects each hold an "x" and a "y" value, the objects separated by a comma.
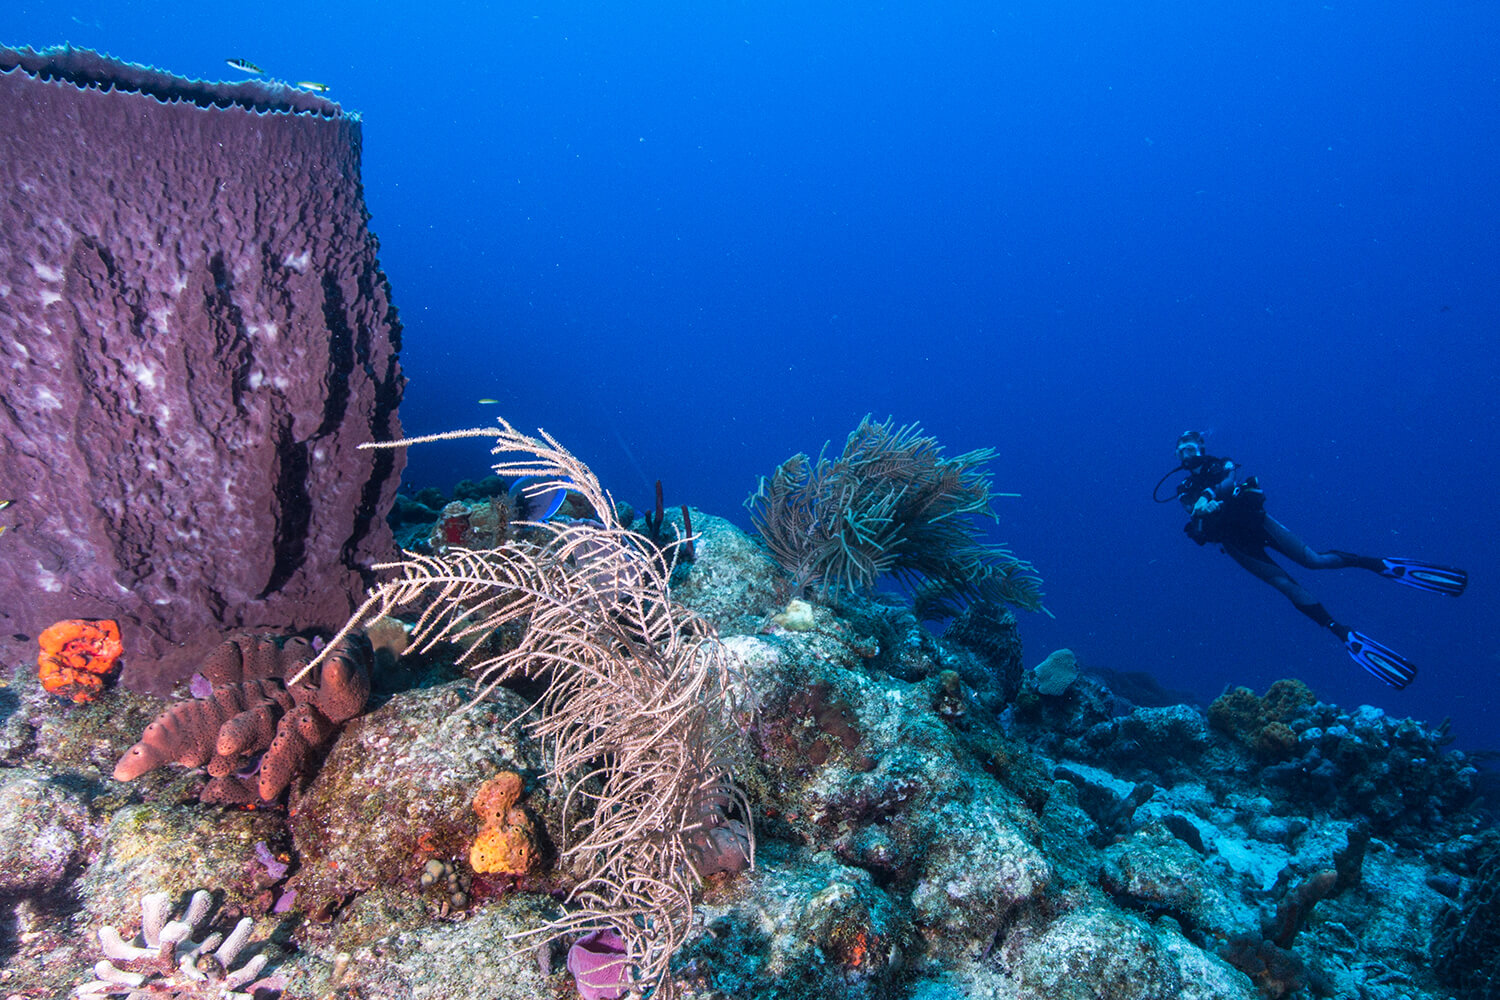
[
  {"x": 195, "y": 337},
  {"x": 1242, "y": 713},
  {"x": 927, "y": 823},
  {"x": 1468, "y": 937},
  {"x": 250, "y": 712},
  {"x": 77, "y": 656}
]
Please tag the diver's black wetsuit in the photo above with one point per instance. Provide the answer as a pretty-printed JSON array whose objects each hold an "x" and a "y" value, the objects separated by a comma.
[
  {"x": 1243, "y": 529},
  {"x": 1230, "y": 511}
]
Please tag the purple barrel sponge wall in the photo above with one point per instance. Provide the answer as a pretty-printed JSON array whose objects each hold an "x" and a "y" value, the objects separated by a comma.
[{"x": 195, "y": 336}]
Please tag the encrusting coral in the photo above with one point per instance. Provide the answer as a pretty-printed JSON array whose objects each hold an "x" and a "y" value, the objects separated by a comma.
[
  {"x": 250, "y": 710},
  {"x": 76, "y": 657},
  {"x": 636, "y": 704},
  {"x": 1261, "y": 722},
  {"x": 164, "y": 960}
]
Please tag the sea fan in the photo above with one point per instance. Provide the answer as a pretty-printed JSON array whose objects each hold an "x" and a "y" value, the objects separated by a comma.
[{"x": 636, "y": 703}]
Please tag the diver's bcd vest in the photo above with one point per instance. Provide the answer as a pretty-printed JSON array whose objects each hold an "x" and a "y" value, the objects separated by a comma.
[{"x": 1242, "y": 510}]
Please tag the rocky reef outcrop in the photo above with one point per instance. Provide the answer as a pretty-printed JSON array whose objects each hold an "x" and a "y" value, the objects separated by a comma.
[{"x": 930, "y": 824}]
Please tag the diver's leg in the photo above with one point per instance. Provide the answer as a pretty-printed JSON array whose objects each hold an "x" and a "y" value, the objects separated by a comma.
[
  {"x": 1263, "y": 567},
  {"x": 1294, "y": 548},
  {"x": 1260, "y": 564},
  {"x": 1381, "y": 661},
  {"x": 1431, "y": 577}
]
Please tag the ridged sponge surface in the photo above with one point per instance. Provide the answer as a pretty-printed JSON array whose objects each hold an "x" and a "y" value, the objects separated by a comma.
[{"x": 195, "y": 335}]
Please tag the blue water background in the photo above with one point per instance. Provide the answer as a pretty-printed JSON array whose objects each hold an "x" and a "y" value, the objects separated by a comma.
[{"x": 692, "y": 239}]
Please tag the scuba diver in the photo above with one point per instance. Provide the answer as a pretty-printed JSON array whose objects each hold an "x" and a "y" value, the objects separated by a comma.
[{"x": 1229, "y": 510}]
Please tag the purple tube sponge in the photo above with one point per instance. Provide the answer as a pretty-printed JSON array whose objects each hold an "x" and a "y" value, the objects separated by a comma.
[{"x": 600, "y": 965}]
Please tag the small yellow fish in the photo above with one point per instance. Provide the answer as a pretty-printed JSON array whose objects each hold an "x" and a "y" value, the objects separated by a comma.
[
  {"x": 489, "y": 402},
  {"x": 3, "y": 527},
  {"x": 245, "y": 65},
  {"x": 313, "y": 86},
  {"x": 5, "y": 503}
]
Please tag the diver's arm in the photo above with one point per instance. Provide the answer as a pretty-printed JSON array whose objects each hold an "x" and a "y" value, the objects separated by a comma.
[
  {"x": 1208, "y": 499},
  {"x": 1225, "y": 485}
]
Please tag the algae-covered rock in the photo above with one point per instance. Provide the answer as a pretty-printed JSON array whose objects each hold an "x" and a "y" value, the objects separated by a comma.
[
  {"x": 802, "y": 925},
  {"x": 732, "y": 580},
  {"x": 387, "y": 952},
  {"x": 988, "y": 632},
  {"x": 975, "y": 870},
  {"x": 154, "y": 847},
  {"x": 1153, "y": 737},
  {"x": 1204, "y": 976},
  {"x": 397, "y": 790},
  {"x": 1097, "y": 952},
  {"x": 46, "y": 831},
  {"x": 1157, "y": 872}
]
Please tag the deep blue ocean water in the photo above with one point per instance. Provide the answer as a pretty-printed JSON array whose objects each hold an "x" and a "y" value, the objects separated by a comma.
[{"x": 692, "y": 239}]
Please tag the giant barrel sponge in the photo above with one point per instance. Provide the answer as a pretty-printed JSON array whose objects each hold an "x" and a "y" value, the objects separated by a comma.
[{"x": 195, "y": 336}]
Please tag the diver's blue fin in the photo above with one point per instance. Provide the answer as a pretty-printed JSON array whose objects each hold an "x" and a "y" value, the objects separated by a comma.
[
  {"x": 1426, "y": 576},
  {"x": 1382, "y": 661}
]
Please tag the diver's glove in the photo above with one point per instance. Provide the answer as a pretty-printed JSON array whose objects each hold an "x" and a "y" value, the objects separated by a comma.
[{"x": 1205, "y": 506}]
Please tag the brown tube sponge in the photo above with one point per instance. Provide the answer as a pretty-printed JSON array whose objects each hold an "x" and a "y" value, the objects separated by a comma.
[
  {"x": 196, "y": 335},
  {"x": 242, "y": 718}
]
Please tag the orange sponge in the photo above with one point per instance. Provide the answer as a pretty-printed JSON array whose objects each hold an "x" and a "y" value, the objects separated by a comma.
[
  {"x": 505, "y": 850},
  {"x": 77, "y": 655},
  {"x": 507, "y": 842},
  {"x": 496, "y": 796}
]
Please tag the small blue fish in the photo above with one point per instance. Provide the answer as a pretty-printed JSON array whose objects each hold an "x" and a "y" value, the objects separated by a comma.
[{"x": 538, "y": 507}]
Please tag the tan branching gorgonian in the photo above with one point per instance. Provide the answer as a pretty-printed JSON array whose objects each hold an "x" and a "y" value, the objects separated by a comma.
[
  {"x": 891, "y": 504},
  {"x": 636, "y": 704}
]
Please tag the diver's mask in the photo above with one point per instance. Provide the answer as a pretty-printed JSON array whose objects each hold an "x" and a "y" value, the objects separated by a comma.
[{"x": 1190, "y": 450}]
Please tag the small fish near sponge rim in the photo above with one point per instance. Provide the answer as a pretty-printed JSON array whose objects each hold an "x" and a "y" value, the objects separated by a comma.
[{"x": 77, "y": 656}]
